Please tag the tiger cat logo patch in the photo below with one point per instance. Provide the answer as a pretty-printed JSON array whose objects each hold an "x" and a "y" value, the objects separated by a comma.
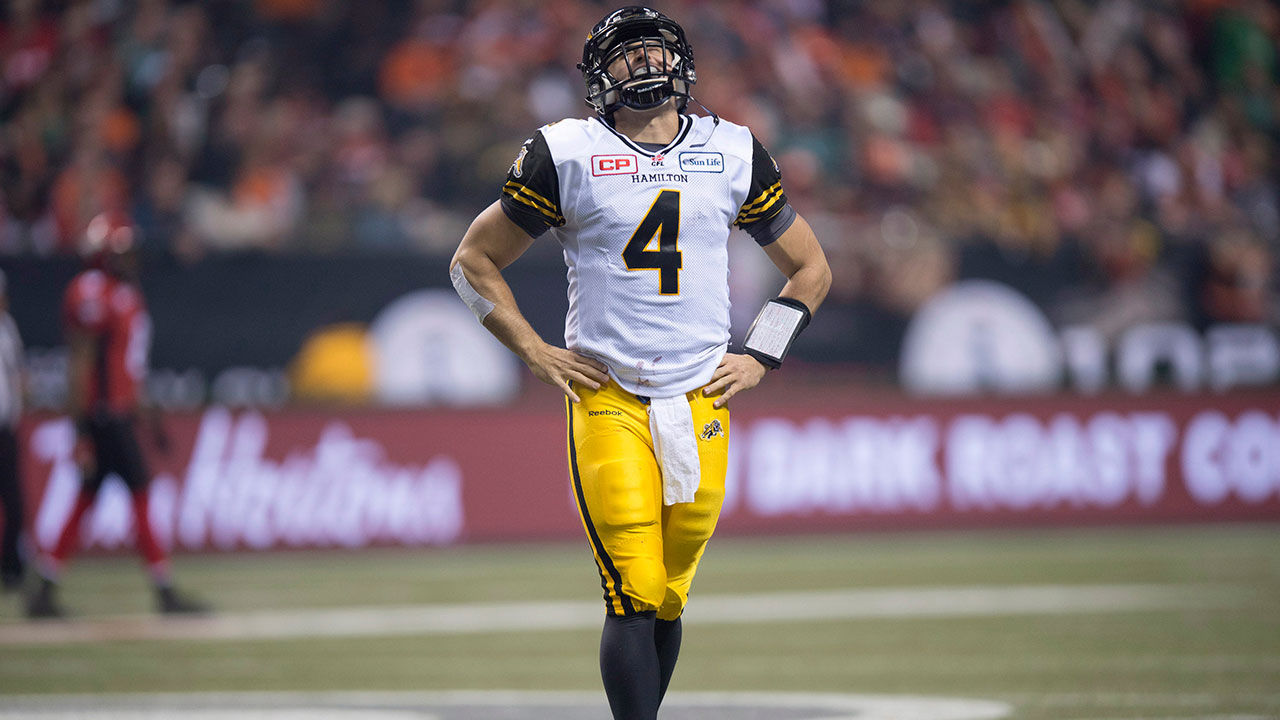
[
  {"x": 711, "y": 430},
  {"x": 517, "y": 167}
]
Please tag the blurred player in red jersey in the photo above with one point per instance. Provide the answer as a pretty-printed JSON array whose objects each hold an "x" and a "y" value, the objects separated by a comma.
[{"x": 108, "y": 334}]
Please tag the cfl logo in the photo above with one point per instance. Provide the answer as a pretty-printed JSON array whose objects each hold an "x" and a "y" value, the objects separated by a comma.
[{"x": 614, "y": 165}]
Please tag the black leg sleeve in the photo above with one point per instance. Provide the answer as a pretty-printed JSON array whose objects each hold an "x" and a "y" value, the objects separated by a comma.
[
  {"x": 629, "y": 666},
  {"x": 666, "y": 636}
]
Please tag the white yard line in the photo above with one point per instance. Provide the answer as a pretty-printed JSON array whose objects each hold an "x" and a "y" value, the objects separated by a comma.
[
  {"x": 473, "y": 704},
  {"x": 1181, "y": 717},
  {"x": 458, "y": 619},
  {"x": 1142, "y": 699}
]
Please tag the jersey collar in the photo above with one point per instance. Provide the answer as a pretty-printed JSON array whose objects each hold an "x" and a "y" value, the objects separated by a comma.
[{"x": 686, "y": 123}]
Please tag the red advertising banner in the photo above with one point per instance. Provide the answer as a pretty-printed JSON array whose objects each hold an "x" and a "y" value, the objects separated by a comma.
[{"x": 252, "y": 480}]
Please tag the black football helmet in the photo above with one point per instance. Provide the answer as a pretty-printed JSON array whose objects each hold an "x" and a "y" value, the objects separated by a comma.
[{"x": 645, "y": 86}]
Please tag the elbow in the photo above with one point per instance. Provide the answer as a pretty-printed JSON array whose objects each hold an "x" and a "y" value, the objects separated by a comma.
[
  {"x": 468, "y": 257},
  {"x": 821, "y": 281},
  {"x": 459, "y": 257}
]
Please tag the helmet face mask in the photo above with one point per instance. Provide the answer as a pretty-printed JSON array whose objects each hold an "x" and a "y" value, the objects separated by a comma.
[
  {"x": 637, "y": 58},
  {"x": 641, "y": 71}
]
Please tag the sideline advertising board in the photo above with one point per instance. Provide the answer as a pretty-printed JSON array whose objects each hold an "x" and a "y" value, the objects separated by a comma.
[{"x": 259, "y": 480}]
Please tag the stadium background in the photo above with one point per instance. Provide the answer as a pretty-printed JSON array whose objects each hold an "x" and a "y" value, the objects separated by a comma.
[{"x": 1053, "y": 230}]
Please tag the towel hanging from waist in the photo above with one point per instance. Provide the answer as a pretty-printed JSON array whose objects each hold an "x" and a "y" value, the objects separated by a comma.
[{"x": 675, "y": 443}]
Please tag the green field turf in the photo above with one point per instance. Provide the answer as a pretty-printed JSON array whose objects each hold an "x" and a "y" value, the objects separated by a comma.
[{"x": 1220, "y": 660}]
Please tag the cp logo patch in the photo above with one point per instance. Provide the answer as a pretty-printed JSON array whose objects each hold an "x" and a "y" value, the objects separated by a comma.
[{"x": 614, "y": 165}]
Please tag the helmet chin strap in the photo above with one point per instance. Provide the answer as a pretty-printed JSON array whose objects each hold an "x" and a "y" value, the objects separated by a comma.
[{"x": 611, "y": 117}]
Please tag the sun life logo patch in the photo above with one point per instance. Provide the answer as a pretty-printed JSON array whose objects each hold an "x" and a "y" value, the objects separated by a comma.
[{"x": 707, "y": 162}]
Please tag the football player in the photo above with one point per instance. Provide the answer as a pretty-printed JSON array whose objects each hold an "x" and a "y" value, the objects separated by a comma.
[
  {"x": 108, "y": 332},
  {"x": 642, "y": 197}
]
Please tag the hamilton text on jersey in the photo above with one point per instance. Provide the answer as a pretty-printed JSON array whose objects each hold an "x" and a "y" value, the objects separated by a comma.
[{"x": 660, "y": 177}]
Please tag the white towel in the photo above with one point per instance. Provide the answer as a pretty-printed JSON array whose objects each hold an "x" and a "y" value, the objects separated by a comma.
[{"x": 675, "y": 442}]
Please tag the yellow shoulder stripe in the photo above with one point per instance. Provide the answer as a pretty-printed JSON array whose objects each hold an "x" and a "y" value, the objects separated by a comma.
[
  {"x": 518, "y": 189},
  {"x": 764, "y": 195},
  {"x": 762, "y": 204},
  {"x": 525, "y": 196}
]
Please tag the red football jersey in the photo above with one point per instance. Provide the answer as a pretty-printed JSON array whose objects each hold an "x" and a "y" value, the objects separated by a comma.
[{"x": 114, "y": 314}]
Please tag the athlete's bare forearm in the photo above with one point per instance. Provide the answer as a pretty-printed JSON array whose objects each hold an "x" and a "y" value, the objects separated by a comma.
[
  {"x": 799, "y": 256},
  {"x": 492, "y": 243},
  {"x": 809, "y": 285},
  {"x": 505, "y": 321}
]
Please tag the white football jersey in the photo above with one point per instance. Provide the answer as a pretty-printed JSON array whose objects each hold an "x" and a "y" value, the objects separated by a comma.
[{"x": 645, "y": 236}]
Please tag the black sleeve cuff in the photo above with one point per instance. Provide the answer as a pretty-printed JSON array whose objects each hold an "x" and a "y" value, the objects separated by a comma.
[{"x": 767, "y": 231}]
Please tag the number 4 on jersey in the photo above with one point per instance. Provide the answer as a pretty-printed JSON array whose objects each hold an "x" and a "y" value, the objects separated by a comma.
[{"x": 663, "y": 220}]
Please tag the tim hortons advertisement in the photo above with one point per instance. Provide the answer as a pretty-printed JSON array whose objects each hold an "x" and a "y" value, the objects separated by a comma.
[{"x": 291, "y": 479}]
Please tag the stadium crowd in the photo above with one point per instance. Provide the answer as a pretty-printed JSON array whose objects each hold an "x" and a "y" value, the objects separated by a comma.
[{"x": 1110, "y": 158}]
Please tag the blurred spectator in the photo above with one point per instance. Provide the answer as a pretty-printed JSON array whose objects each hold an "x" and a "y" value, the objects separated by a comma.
[
  {"x": 159, "y": 212},
  {"x": 418, "y": 71},
  {"x": 1235, "y": 287},
  {"x": 28, "y": 44},
  {"x": 264, "y": 202},
  {"x": 88, "y": 185}
]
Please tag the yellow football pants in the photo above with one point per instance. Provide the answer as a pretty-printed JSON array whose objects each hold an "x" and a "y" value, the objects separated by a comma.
[{"x": 647, "y": 552}]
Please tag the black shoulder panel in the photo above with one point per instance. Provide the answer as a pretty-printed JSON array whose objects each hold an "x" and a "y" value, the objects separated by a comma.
[
  {"x": 531, "y": 195},
  {"x": 765, "y": 198}
]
